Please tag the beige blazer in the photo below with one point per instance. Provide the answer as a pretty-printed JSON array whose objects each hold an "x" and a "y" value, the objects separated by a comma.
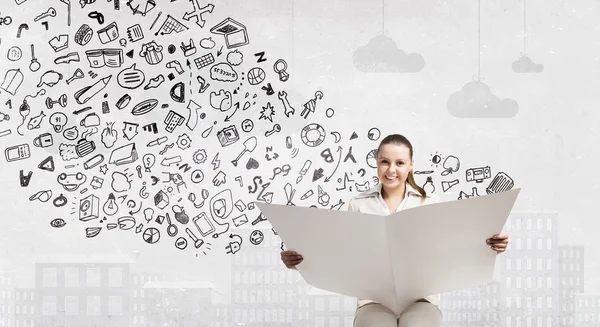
[{"x": 368, "y": 202}]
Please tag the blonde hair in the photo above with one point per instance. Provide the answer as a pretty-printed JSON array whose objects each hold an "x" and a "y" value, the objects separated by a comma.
[{"x": 398, "y": 139}]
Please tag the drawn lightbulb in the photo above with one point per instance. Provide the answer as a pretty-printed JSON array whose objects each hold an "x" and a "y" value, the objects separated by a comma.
[
  {"x": 148, "y": 160},
  {"x": 428, "y": 186},
  {"x": 148, "y": 213},
  {"x": 110, "y": 206}
]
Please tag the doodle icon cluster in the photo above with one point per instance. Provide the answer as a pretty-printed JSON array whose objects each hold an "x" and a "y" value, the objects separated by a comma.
[{"x": 158, "y": 123}]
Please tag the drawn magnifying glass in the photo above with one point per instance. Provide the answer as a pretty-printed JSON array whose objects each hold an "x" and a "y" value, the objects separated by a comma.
[
  {"x": 280, "y": 67},
  {"x": 172, "y": 228}
]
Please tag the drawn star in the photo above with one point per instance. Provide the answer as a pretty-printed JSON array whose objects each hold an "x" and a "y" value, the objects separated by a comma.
[
  {"x": 267, "y": 112},
  {"x": 104, "y": 169}
]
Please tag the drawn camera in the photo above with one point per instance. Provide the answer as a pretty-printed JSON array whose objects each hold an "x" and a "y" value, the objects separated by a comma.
[{"x": 478, "y": 174}]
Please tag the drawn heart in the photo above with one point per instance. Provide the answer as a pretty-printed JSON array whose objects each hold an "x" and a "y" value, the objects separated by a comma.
[{"x": 252, "y": 164}]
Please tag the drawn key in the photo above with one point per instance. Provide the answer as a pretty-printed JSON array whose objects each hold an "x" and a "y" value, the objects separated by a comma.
[{"x": 51, "y": 12}]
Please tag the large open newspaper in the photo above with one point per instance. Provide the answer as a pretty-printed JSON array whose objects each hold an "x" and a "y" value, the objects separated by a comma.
[{"x": 399, "y": 258}]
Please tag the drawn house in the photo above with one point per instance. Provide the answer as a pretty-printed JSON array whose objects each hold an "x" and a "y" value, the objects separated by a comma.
[
  {"x": 264, "y": 292},
  {"x": 138, "y": 295},
  {"x": 571, "y": 279},
  {"x": 83, "y": 290},
  {"x": 178, "y": 303},
  {"x": 7, "y": 300}
]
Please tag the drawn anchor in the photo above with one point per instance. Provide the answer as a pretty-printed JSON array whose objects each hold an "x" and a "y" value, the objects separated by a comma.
[{"x": 198, "y": 12}]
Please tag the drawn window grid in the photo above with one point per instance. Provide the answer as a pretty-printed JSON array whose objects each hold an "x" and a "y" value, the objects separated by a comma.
[
  {"x": 93, "y": 278},
  {"x": 115, "y": 277},
  {"x": 93, "y": 305},
  {"x": 320, "y": 304},
  {"x": 49, "y": 277},
  {"x": 71, "y": 305},
  {"x": 49, "y": 305},
  {"x": 71, "y": 277}
]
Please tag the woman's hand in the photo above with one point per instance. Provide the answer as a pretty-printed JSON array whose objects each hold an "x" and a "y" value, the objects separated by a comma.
[
  {"x": 498, "y": 242},
  {"x": 291, "y": 258}
]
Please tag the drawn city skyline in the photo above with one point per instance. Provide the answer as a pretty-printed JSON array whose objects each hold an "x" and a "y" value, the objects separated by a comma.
[{"x": 535, "y": 282}]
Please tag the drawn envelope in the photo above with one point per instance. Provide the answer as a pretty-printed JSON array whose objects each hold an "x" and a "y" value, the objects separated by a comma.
[
  {"x": 124, "y": 155},
  {"x": 240, "y": 220}
]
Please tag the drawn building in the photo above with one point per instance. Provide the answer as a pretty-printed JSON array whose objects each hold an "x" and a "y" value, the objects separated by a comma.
[
  {"x": 83, "y": 290},
  {"x": 571, "y": 279},
  {"x": 529, "y": 269},
  {"x": 220, "y": 313},
  {"x": 587, "y": 310},
  {"x": 170, "y": 303},
  {"x": 327, "y": 309},
  {"x": 7, "y": 300},
  {"x": 25, "y": 311},
  {"x": 138, "y": 300},
  {"x": 474, "y": 306},
  {"x": 264, "y": 292}
]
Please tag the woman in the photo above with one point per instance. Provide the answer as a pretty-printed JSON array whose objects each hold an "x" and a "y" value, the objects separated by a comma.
[{"x": 396, "y": 191}]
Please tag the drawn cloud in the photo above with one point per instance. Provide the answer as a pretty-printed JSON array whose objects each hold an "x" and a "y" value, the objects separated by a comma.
[
  {"x": 475, "y": 100},
  {"x": 382, "y": 55},
  {"x": 526, "y": 65}
]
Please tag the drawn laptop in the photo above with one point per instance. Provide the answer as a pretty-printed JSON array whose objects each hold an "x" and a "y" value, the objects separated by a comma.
[{"x": 234, "y": 32}]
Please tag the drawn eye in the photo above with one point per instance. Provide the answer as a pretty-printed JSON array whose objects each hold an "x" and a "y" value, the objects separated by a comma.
[{"x": 57, "y": 223}]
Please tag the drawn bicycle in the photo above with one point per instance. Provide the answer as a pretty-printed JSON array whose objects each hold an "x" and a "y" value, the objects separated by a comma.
[{"x": 5, "y": 20}]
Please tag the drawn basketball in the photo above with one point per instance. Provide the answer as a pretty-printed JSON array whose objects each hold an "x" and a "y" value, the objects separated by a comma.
[{"x": 256, "y": 76}]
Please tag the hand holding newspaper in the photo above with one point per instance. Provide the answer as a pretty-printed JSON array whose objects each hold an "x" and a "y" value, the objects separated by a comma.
[{"x": 395, "y": 259}]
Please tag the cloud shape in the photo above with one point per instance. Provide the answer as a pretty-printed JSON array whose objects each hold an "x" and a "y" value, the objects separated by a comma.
[
  {"x": 381, "y": 55},
  {"x": 223, "y": 72},
  {"x": 475, "y": 100},
  {"x": 526, "y": 65},
  {"x": 235, "y": 58}
]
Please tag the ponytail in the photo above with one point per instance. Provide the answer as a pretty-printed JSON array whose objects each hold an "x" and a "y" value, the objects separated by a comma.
[{"x": 411, "y": 181}]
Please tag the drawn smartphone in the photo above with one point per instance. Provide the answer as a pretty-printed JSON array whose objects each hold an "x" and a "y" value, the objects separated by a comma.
[
  {"x": 17, "y": 152},
  {"x": 203, "y": 224}
]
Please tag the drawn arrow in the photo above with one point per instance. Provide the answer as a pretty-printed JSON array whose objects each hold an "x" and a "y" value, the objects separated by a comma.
[
  {"x": 237, "y": 106},
  {"x": 197, "y": 13},
  {"x": 170, "y": 161}
]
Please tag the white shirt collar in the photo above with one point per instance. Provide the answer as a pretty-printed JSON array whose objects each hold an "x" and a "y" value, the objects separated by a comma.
[{"x": 407, "y": 190}]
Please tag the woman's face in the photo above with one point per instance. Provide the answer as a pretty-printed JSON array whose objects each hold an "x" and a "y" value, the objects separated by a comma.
[{"x": 393, "y": 165}]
